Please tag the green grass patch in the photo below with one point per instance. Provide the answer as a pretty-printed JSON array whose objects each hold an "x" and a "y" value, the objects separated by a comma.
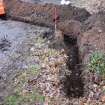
[
  {"x": 21, "y": 95},
  {"x": 97, "y": 63},
  {"x": 27, "y": 99}
]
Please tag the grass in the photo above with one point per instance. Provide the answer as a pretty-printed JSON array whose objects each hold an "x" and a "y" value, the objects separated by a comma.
[
  {"x": 27, "y": 99},
  {"x": 21, "y": 95},
  {"x": 97, "y": 63}
]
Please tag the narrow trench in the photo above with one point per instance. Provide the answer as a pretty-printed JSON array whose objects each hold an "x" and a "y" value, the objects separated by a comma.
[{"x": 73, "y": 84}]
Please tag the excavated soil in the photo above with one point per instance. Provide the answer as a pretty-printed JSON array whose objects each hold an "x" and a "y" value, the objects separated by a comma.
[{"x": 43, "y": 14}]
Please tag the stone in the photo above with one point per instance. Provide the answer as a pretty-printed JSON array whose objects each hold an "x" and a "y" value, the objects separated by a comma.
[{"x": 103, "y": 98}]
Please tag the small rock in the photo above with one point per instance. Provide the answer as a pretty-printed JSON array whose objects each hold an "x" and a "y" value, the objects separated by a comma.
[
  {"x": 100, "y": 31},
  {"x": 103, "y": 98},
  {"x": 85, "y": 104},
  {"x": 32, "y": 49},
  {"x": 91, "y": 94},
  {"x": 95, "y": 85},
  {"x": 43, "y": 65},
  {"x": 81, "y": 103},
  {"x": 103, "y": 88}
]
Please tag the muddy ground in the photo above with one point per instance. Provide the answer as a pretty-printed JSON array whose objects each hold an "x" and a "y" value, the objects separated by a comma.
[{"x": 89, "y": 91}]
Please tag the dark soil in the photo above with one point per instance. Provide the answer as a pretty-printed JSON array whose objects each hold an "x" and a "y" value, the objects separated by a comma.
[{"x": 71, "y": 86}]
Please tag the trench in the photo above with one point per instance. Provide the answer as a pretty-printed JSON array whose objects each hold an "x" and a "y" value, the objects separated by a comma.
[
  {"x": 70, "y": 79},
  {"x": 73, "y": 85}
]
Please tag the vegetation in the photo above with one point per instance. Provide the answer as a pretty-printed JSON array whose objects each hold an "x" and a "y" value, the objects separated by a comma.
[
  {"x": 97, "y": 63},
  {"x": 27, "y": 99},
  {"x": 23, "y": 93}
]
